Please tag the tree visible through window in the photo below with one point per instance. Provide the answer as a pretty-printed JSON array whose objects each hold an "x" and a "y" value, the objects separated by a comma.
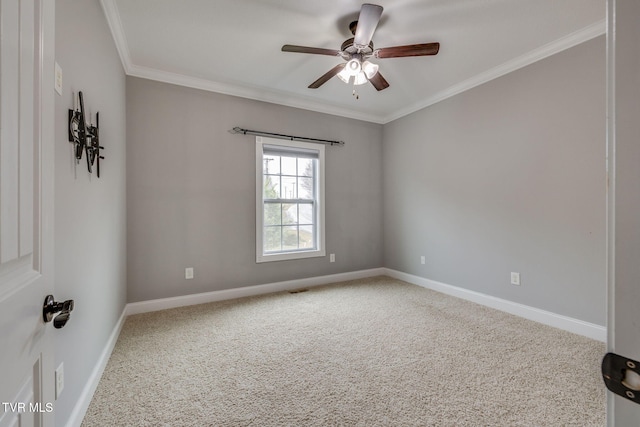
[{"x": 290, "y": 220}]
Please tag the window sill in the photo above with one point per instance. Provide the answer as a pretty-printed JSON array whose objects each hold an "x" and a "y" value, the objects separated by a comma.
[{"x": 285, "y": 256}]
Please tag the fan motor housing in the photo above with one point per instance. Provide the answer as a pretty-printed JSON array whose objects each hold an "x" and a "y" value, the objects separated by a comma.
[{"x": 349, "y": 47}]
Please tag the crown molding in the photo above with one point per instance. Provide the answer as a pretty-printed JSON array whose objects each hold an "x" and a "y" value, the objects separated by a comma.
[
  {"x": 259, "y": 94},
  {"x": 592, "y": 31},
  {"x": 254, "y": 93},
  {"x": 282, "y": 98},
  {"x": 115, "y": 25}
]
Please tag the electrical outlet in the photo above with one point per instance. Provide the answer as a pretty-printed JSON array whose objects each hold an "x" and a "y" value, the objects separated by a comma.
[
  {"x": 423, "y": 259},
  {"x": 515, "y": 278},
  {"x": 188, "y": 273},
  {"x": 59, "y": 380},
  {"x": 332, "y": 257}
]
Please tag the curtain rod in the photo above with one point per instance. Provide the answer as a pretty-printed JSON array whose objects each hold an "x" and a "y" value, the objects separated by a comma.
[{"x": 281, "y": 136}]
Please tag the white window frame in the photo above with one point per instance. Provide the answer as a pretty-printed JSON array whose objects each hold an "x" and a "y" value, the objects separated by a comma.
[{"x": 319, "y": 250}]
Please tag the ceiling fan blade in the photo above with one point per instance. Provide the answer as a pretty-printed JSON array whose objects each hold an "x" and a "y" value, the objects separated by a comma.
[
  {"x": 367, "y": 22},
  {"x": 327, "y": 76},
  {"x": 408, "y": 50},
  {"x": 379, "y": 82},
  {"x": 313, "y": 50}
]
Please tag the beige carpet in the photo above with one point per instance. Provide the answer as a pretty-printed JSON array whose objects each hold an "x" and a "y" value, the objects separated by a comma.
[{"x": 375, "y": 352}]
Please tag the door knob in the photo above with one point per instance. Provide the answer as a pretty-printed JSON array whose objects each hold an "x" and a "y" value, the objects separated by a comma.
[{"x": 51, "y": 307}]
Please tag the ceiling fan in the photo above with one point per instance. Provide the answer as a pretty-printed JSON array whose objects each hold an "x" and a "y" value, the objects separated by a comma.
[{"x": 358, "y": 50}]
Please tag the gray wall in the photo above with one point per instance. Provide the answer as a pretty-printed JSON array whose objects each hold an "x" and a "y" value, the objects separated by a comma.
[
  {"x": 508, "y": 176},
  {"x": 90, "y": 213},
  {"x": 191, "y": 191}
]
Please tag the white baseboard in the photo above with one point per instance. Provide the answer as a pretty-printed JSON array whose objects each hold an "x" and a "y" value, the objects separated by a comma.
[
  {"x": 566, "y": 323},
  {"x": 590, "y": 330},
  {"x": 202, "y": 298},
  {"x": 79, "y": 411}
]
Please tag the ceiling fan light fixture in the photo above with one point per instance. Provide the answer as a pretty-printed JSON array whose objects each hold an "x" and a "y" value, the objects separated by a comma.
[
  {"x": 370, "y": 69},
  {"x": 360, "y": 79},
  {"x": 344, "y": 75},
  {"x": 353, "y": 67}
]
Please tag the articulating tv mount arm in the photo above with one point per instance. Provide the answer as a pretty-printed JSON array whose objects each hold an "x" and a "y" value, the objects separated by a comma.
[{"x": 85, "y": 137}]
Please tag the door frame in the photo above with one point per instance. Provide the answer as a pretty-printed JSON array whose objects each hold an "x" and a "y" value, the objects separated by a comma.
[{"x": 623, "y": 200}]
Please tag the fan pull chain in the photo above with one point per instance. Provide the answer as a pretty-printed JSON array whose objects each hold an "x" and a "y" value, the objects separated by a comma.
[{"x": 355, "y": 94}]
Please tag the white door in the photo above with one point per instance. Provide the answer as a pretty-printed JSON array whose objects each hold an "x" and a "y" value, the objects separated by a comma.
[
  {"x": 26, "y": 211},
  {"x": 623, "y": 88}
]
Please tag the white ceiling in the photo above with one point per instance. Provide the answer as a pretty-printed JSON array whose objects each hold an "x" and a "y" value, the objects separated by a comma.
[{"x": 233, "y": 46}]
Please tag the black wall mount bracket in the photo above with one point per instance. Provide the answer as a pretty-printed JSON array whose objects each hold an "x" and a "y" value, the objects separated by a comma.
[{"x": 86, "y": 138}]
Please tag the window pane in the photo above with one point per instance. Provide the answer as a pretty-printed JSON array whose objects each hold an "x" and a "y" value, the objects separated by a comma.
[
  {"x": 305, "y": 167},
  {"x": 272, "y": 239},
  {"x": 272, "y": 214},
  {"x": 305, "y": 188},
  {"x": 290, "y": 237},
  {"x": 271, "y": 164},
  {"x": 289, "y": 166},
  {"x": 305, "y": 213},
  {"x": 271, "y": 187},
  {"x": 289, "y": 213},
  {"x": 289, "y": 187},
  {"x": 306, "y": 237}
]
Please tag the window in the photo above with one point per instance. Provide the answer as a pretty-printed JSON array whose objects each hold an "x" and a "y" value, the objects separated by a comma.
[{"x": 289, "y": 200}]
